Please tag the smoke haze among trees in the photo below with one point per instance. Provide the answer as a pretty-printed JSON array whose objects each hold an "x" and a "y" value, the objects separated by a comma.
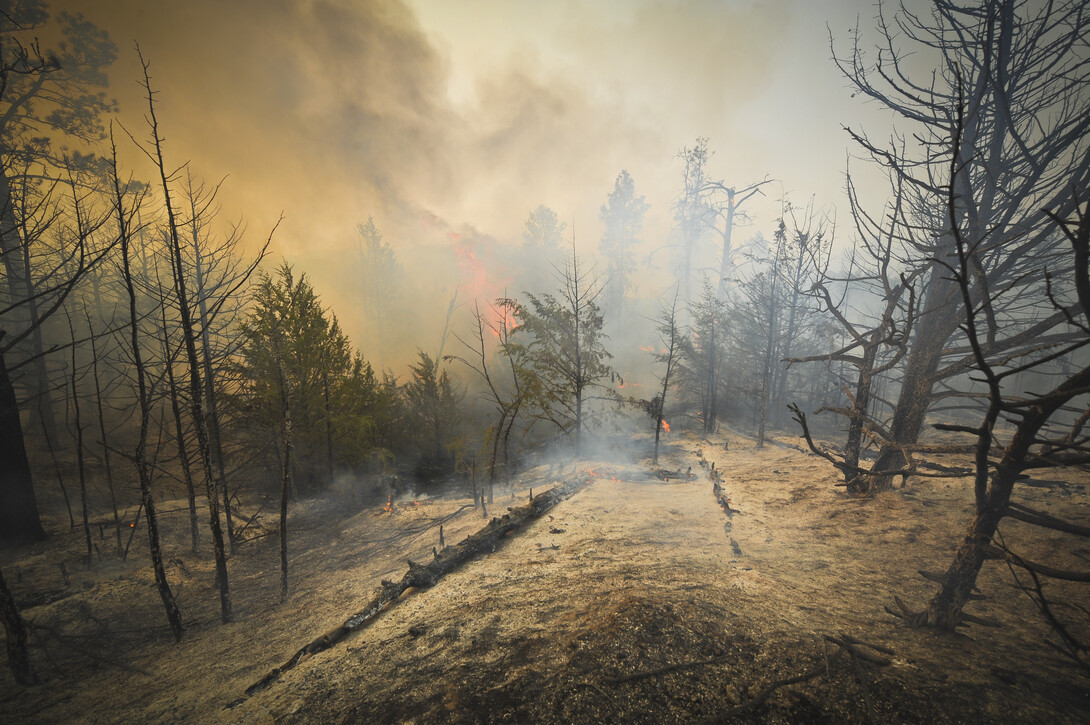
[{"x": 279, "y": 252}]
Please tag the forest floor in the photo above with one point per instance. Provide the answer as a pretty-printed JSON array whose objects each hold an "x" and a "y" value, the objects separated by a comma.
[{"x": 635, "y": 600}]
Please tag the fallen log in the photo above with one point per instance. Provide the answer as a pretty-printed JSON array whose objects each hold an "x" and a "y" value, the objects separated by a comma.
[{"x": 421, "y": 576}]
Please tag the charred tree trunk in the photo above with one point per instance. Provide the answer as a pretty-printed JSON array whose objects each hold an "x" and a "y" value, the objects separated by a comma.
[
  {"x": 15, "y": 628},
  {"x": 143, "y": 468},
  {"x": 81, "y": 465},
  {"x": 15, "y": 250},
  {"x": 945, "y": 609},
  {"x": 427, "y": 575},
  {"x": 211, "y": 406},
  {"x": 20, "y": 522},
  {"x": 935, "y": 326},
  {"x": 189, "y": 337},
  {"x": 179, "y": 432},
  {"x": 857, "y": 416},
  {"x": 102, "y": 432}
]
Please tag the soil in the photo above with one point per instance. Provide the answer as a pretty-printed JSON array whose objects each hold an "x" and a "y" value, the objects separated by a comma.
[{"x": 637, "y": 599}]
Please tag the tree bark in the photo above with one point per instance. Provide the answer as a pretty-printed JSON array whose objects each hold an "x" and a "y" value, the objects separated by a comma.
[
  {"x": 15, "y": 628},
  {"x": 195, "y": 391},
  {"x": 20, "y": 522}
]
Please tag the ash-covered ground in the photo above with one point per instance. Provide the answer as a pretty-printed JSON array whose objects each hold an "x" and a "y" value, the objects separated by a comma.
[{"x": 637, "y": 599}]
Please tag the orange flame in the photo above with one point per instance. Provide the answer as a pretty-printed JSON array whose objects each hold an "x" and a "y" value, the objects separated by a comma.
[
  {"x": 389, "y": 507},
  {"x": 665, "y": 427}
]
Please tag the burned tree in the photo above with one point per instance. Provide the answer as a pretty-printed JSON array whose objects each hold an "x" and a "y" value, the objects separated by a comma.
[
  {"x": 140, "y": 457},
  {"x": 1024, "y": 144},
  {"x": 672, "y": 337},
  {"x": 875, "y": 344},
  {"x": 189, "y": 338},
  {"x": 507, "y": 397},
  {"x": 1020, "y": 432}
]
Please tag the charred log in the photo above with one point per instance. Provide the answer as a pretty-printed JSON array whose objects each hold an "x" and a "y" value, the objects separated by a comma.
[{"x": 421, "y": 576}]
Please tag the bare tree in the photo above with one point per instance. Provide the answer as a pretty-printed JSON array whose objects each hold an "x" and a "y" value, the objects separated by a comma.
[
  {"x": 506, "y": 399},
  {"x": 1024, "y": 143},
  {"x": 672, "y": 337},
  {"x": 196, "y": 400},
  {"x": 144, "y": 400},
  {"x": 1019, "y": 432}
]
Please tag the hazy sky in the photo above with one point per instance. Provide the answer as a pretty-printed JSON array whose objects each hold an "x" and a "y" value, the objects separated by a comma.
[{"x": 436, "y": 116}]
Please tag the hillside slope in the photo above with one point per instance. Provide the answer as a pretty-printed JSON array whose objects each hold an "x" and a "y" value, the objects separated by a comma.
[{"x": 635, "y": 600}]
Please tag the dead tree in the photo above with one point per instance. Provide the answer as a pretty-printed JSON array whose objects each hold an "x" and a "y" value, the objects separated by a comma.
[
  {"x": 1019, "y": 432},
  {"x": 140, "y": 457},
  {"x": 16, "y": 632},
  {"x": 196, "y": 397},
  {"x": 1023, "y": 148},
  {"x": 506, "y": 400},
  {"x": 876, "y": 345},
  {"x": 174, "y": 394},
  {"x": 671, "y": 336}
]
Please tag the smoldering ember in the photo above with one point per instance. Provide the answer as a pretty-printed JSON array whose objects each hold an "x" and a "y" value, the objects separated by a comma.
[{"x": 655, "y": 361}]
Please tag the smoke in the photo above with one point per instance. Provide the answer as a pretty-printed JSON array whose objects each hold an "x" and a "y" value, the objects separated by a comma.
[{"x": 442, "y": 119}]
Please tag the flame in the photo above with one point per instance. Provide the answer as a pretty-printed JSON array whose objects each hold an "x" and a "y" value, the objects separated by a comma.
[
  {"x": 665, "y": 427},
  {"x": 416, "y": 503},
  {"x": 389, "y": 507},
  {"x": 647, "y": 348}
]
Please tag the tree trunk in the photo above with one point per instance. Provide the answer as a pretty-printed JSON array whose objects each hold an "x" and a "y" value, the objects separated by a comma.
[
  {"x": 937, "y": 322},
  {"x": 81, "y": 466},
  {"x": 211, "y": 407},
  {"x": 174, "y": 616},
  {"x": 179, "y": 433},
  {"x": 19, "y": 519},
  {"x": 15, "y": 628},
  {"x": 102, "y": 432},
  {"x": 945, "y": 609},
  {"x": 15, "y": 250},
  {"x": 195, "y": 391},
  {"x": 858, "y": 414}
]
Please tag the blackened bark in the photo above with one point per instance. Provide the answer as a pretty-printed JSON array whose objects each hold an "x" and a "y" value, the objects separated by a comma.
[
  {"x": 188, "y": 335},
  {"x": 81, "y": 466},
  {"x": 143, "y": 468},
  {"x": 936, "y": 324},
  {"x": 211, "y": 407},
  {"x": 102, "y": 432},
  {"x": 19, "y": 519},
  {"x": 15, "y": 628},
  {"x": 945, "y": 609},
  {"x": 179, "y": 434}
]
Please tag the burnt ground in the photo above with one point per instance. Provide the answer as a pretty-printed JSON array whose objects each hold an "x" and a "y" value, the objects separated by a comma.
[{"x": 635, "y": 600}]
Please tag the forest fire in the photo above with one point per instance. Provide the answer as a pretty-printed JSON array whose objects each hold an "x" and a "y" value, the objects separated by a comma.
[{"x": 185, "y": 383}]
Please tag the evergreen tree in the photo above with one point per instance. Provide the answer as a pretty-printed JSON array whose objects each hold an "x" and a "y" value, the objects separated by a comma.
[
  {"x": 294, "y": 350},
  {"x": 622, "y": 216},
  {"x": 561, "y": 355}
]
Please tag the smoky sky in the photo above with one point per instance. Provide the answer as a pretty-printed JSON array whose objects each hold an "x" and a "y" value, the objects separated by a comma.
[{"x": 446, "y": 120}]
